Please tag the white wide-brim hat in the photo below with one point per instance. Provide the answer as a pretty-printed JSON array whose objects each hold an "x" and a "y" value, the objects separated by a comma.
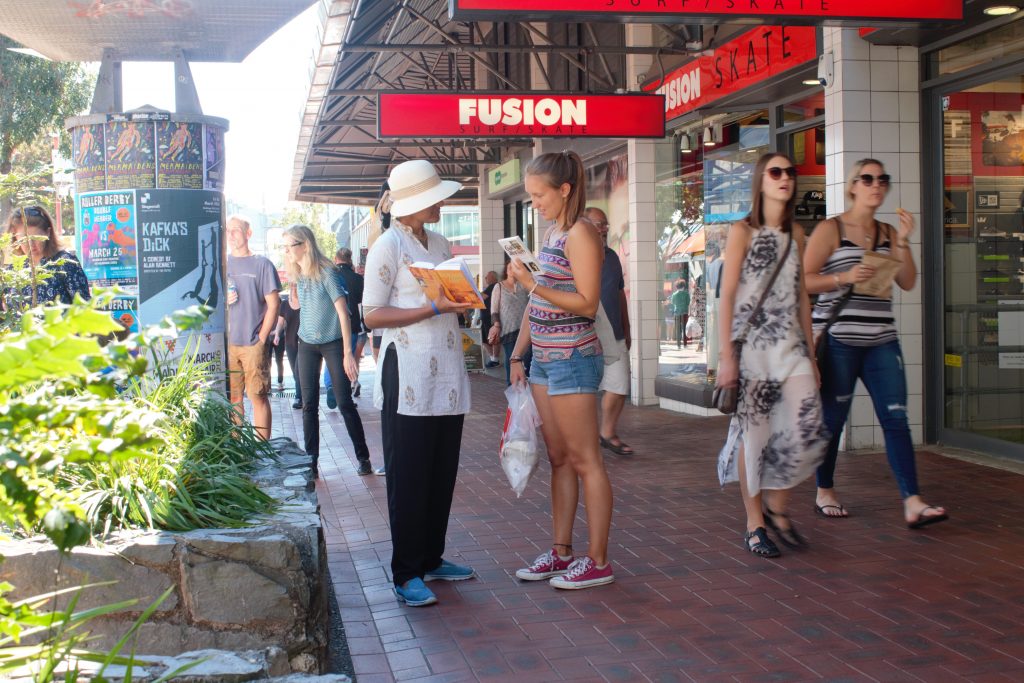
[{"x": 415, "y": 186}]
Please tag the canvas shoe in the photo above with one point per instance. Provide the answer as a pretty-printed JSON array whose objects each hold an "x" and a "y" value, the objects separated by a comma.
[
  {"x": 544, "y": 567},
  {"x": 583, "y": 573},
  {"x": 364, "y": 468},
  {"x": 415, "y": 593},
  {"x": 381, "y": 471},
  {"x": 449, "y": 571}
]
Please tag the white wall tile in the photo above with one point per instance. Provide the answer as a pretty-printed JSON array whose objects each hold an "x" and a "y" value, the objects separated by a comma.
[
  {"x": 908, "y": 76},
  {"x": 885, "y": 106},
  {"x": 883, "y": 53},
  {"x": 885, "y": 137},
  {"x": 884, "y": 76}
]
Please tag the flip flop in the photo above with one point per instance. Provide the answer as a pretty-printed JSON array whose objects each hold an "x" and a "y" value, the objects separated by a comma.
[
  {"x": 622, "y": 448},
  {"x": 820, "y": 509},
  {"x": 923, "y": 521}
]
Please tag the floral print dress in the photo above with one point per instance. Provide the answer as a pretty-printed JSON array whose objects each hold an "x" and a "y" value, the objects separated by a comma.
[{"x": 778, "y": 418}]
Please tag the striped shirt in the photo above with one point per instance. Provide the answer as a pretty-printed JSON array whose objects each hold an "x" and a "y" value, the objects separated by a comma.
[
  {"x": 557, "y": 333},
  {"x": 865, "y": 320},
  {"x": 318, "y": 320}
]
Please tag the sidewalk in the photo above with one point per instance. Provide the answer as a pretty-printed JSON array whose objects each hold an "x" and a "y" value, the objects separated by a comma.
[{"x": 869, "y": 600}]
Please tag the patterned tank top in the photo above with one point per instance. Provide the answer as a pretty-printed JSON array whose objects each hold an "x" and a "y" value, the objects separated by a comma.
[
  {"x": 557, "y": 333},
  {"x": 864, "y": 320}
]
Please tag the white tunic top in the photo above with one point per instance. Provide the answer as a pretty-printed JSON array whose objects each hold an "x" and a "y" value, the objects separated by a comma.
[{"x": 431, "y": 368}]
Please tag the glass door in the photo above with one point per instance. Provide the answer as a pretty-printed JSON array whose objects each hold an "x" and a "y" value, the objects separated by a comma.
[{"x": 982, "y": 228}]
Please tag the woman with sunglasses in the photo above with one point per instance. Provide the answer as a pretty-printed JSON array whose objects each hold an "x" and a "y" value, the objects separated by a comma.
[
  {"x": 861, "y": 340},
  {"x": 66, "y": 275},
  {"x": 776, "y": 438},
  {"x": 325, "y": 336}
]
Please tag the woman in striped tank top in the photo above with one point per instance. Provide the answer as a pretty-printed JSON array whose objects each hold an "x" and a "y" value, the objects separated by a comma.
[
  {"x": 862, "y": 341},
  {"x": 567, "y": 369}
]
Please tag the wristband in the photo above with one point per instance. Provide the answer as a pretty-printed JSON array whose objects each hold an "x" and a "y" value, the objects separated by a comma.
[
  {"x": 515, "y": 359},
  {"x": 437, "y": 311},
  {"x": 839, "y": 284},
  {"x": 535, "y": 286}
]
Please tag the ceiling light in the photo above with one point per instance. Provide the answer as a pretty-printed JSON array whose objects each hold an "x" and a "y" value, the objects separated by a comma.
[
  {"x": 709, "y": 138},
  {"x": 811, "y": 81},
  {"x": 685, "y": 145},
  {"x": 1001, "y": 10}
]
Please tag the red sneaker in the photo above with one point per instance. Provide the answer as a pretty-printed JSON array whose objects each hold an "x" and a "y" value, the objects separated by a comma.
[
  {"x": 544, "y": 567},
  {"x": 583, "y": 573}
]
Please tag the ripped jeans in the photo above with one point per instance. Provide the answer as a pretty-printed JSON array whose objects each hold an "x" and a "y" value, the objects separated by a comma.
[{"x": 881, "y": 370}]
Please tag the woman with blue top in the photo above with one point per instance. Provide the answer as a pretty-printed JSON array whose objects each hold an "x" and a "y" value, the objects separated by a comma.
[
  {"x": 421, "y": 388},
  {"x": 35, "y": 236},
  {"x": 568, "y": 363},
  {"x": 325, "y": 336}
]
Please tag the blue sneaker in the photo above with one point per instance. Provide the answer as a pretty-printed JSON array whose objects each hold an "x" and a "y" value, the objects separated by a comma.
[
  {"x": 415, "y": 594},
  {"x": 448, "y": 571}
]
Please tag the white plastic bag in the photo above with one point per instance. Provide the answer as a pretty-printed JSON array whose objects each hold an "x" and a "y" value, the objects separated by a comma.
[
  {"x": 519, "y": 449},
  {"x": 693, "y": 328}
]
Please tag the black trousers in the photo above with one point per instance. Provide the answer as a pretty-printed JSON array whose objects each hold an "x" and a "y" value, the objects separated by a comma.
[
  {"x": 276, "y": 351},
  {"x": 293, "y": 363},
  {"x": 422, "y": 459},
  {"x": 311, "y": 357}
]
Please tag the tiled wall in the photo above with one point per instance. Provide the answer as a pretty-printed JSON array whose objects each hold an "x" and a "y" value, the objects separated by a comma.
[
  {"x": 643, "y": 251},
  {"x": 873, "y": 110}
]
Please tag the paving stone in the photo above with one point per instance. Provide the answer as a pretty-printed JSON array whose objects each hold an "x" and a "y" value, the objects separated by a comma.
[{"x": 868, "y": 599}]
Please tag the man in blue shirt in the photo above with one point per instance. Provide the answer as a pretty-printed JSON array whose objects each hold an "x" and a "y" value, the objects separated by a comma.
[{"x": 616, "y": 380}]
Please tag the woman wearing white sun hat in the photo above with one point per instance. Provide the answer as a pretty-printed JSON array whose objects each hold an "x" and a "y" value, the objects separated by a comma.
[{"x": 421, "y": 388}]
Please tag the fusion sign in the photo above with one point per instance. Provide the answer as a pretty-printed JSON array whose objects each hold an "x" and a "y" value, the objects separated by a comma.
[
  {"x": 740, "y": 63},
  {"x": 506, "y": 115},
  {"x": 854, "y": 12}
]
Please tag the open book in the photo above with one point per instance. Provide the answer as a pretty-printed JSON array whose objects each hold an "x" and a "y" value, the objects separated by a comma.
[
  {"x": 515, "y": 249},
  {"x": 452, "y": 278}
]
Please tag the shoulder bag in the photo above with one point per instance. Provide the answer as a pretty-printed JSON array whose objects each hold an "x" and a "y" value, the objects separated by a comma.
[
  {"x": 821, "y": 343},
  {"x": 725, "y": 398}
]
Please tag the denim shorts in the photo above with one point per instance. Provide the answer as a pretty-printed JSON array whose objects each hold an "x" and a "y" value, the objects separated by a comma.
[{"x": 578, "y": 375}]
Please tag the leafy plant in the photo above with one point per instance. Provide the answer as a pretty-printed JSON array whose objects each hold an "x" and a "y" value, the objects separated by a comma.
[{"x": 201, "y": 478}]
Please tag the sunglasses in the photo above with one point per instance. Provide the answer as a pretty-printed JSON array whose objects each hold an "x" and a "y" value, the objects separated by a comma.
[
  {"x": 293, "y": 245},
  {"x": 775, "y": 172},
  {"x": 868, "y": 180}
]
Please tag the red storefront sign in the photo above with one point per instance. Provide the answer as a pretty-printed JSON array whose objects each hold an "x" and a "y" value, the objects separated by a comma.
[
  {"x": 762, "y": 11},
  {"x": 740, "y": 63},
  {"x": 518, "y": 115}
]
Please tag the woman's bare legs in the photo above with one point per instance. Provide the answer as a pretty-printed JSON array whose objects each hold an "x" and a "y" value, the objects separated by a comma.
[{"x": 570, "y": 433}]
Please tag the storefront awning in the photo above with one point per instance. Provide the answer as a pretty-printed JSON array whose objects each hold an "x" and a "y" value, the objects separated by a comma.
[{"x": 413, "y": 47}]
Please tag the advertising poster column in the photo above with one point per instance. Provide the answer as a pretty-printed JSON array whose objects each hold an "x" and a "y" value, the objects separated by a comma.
[
  {"x": 149, "y": 201},
  {"x": 180, "y": 264}
]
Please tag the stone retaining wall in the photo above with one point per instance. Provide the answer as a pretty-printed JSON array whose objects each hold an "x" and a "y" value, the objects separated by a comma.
[{"x": 235, "y": 589}]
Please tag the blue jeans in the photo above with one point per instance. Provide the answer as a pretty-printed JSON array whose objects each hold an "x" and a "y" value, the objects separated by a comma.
[
  {"x": 527, "y": 357},
  {"x": 881, "y": 370},
  {"x": 577, "y": 374}
]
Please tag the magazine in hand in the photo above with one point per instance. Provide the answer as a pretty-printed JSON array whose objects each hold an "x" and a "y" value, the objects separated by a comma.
[
  {"x": 451, "y": 278},
  {"x": 515, "y": 249}
]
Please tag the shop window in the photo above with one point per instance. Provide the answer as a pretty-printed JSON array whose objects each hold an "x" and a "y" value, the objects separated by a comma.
[
  {"x": 982, "y": 224},
  {"x": 703, "y": 186},
  {"x": 981, "y": 49}
]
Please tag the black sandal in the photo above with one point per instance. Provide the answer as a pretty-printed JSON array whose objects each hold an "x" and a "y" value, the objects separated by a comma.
[
  {"x": 764, "y": 546},
  {"x": 790, "y": 537}
]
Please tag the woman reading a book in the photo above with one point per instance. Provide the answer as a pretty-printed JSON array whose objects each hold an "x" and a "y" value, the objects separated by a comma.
[
  {"x": 422, "y": 388},
  {"x": 567, "y": 369},
  {"x": 325, "y": 336},
  {"x": 860, "y": 339}
]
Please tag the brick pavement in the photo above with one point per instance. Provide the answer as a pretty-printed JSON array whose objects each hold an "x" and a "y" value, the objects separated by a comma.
[{"x": 869, "y": 600}]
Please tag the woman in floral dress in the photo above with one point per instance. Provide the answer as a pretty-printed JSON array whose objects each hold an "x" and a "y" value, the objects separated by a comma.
[{"x": 776, "y": 438}]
